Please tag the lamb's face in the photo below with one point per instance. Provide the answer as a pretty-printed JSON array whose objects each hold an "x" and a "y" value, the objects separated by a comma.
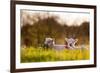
[
  {"x": 48, "y": 41},
  {"x": 71, "y": 41}
]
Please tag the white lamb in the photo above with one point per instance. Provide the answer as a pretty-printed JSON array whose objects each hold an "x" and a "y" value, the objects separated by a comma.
[
  {"x": 71, "y": 42},
  {"x": 49, "y": 43}
]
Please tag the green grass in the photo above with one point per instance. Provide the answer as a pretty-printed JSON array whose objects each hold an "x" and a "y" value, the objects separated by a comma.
[{"x": 31, "y": 54}]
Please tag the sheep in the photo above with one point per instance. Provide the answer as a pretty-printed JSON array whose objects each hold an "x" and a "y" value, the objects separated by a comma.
[
  {"x": 70, "y": 44},
  {"x": 48, "y": 43},
  {"x": 59, "y": 47}
]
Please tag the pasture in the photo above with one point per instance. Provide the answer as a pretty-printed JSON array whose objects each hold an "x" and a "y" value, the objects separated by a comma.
[
  {"x": 46, "y": 39},
  {"x": 39, "y": 54}
]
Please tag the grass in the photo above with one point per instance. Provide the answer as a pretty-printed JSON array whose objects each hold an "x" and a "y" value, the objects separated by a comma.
[{"x": 31, "y": 54}]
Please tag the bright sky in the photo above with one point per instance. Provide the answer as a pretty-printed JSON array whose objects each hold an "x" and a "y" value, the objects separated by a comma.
[
  {"x": 72, "y": 18},
  {"x": 69, "y": 18}
]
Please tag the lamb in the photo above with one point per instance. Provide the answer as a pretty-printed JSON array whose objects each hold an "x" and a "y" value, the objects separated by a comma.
[
  {"x": 70, "y": 44},
  {"x": 59, "y": 47},
  {"x": 48, "y": 43}
]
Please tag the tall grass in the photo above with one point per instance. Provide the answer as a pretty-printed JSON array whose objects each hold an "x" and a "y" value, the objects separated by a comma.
[{"x": 31, "y": 54}]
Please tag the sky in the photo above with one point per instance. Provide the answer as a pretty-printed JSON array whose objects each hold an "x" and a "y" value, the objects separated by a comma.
[{"x": 68, "y": 18}]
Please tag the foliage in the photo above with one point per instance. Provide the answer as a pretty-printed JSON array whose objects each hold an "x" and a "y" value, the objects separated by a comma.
[
  {"x": 34, "y": 34},
  {"x": 31, "y": 54}
]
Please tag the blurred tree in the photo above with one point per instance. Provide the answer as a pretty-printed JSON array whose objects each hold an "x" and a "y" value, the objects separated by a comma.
[{"x": 35, "y": 34}]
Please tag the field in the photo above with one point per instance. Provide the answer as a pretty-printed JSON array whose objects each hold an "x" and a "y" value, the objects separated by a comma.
[
  {"x": 37, "y": 27},
  {"x": 31, "y": 54}
]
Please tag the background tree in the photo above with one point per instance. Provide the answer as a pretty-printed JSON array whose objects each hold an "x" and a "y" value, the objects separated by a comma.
[{"x": 46, "y": 25}]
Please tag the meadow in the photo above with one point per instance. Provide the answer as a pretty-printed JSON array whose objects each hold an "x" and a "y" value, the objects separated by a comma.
[{"x": 31, "y": 54}]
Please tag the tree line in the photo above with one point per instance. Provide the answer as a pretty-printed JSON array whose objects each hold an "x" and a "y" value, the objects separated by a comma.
[{"x": 35, "y": 34}]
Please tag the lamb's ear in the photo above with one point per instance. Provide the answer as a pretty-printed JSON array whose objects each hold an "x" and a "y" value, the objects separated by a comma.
[
  {"x": 66, "y": 39},
  {"x": 76, "y": 40}
]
